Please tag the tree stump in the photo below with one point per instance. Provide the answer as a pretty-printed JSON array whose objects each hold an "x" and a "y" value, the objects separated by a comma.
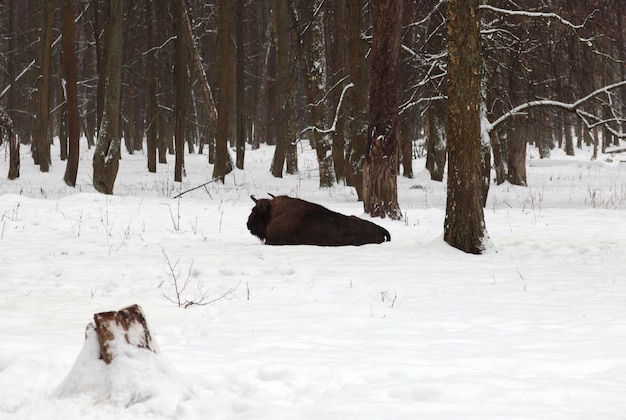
[{"x": 124, "y": 327}]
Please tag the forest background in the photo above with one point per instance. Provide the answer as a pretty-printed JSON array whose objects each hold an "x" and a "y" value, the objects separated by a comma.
[{"x": 551, "y": 74}]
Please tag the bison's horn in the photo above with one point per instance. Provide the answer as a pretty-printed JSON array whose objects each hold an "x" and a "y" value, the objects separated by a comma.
[
  {"x": 253, "y": 198},
  {"x": 271, "y": 195}
]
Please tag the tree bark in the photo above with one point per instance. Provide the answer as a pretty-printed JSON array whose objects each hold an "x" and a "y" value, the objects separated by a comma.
[
  {"x": 281, "y": 16},
  {"x": 71, "y": 93},
  {"x": 6, "y": 131},
  {"x": 41, "y": 149},
  {"x": 127, "y": 326},
  {"x": 153, "y": 106},
  {"x": 107, "y": 154},
  {"x": 464, "y": 226},
  {"x": 196, "y": 61},
  {"x": 337, "y": 67},
  {"x": 436, "y": 140},
  {"x": 359, "y": 76},
  {"x": 223, "y": 163},
  {"x": 315, "y": 74},
  {"x": 240, "y": 104},
  {"x": 180, "y": 85},
  {"x": 380, "y": 169}
]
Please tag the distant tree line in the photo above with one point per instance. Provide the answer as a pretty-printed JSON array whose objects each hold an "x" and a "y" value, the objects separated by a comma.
[{"x": 224, "y": 74}]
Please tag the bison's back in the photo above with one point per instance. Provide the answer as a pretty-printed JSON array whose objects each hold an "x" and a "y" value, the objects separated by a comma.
[{"x": 298, "y": 222}]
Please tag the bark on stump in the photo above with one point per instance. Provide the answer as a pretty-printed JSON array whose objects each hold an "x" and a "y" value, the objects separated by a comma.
[{"x": 127, "y": 326}]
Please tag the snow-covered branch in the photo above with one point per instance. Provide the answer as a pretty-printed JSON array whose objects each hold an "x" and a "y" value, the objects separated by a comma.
[
  {"x": 549, "y": 15},
  {"x": 571, "y": 107},
  {"x": 333, "y": 128}
]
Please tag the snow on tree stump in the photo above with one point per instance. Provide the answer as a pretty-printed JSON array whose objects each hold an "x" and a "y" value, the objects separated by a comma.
[
  {"x": 117, "y": 328},
  {"x": 120, "y": 363}
]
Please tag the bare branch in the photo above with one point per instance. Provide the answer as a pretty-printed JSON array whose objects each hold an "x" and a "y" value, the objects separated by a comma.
[
  {"x": 549, "y": 15},
  {"x": 333, "y": 128},
  {"x": 571, "y": 107}
]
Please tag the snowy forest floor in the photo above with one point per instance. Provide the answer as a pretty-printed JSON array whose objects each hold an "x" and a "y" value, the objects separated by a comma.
[{"x": 409, "y": 329}]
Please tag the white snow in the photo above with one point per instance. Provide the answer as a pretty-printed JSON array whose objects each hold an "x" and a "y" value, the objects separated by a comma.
[{"x": 410, "y": 329}]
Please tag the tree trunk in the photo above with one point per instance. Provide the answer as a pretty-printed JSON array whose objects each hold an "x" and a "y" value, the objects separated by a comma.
[
  {"x": 223, "y": 163},
  {"x": 14, "y": 155},
  {"x": 240, "y": 104},
  {"x": 516, "y": 156},
  {"x": 11, "y": 68},
  {"x": 180, "y": 83},
  {"x": 196, "y": 61},
  {"x": 282, "y": 35},
  {"x": 315, "y": 74},
  {"x": 337, "y": 67},
  {"x": 380, "y": 169},
  {"x": 41, "y": 149},
  {"x": 497, "y": 140},
  {"x": 569, "y": 140},
  {"x": 107, "y": 154},
  {"x": 6, "y": 131},
  {"x": 153, "y": 106},
  {"x": 359, "y": 73},
  {"x": 464, "y": 225},
  {"x": 71, "y": 93},
  {"x": 436, "y": 140}
]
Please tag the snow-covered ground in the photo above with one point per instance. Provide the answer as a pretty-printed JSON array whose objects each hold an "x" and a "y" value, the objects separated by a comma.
[{"x": 410, "y": 329}]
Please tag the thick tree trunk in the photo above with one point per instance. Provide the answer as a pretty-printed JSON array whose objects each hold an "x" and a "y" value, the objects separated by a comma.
[
  {"x": 380, "y": 169},
  {"x": 71, "y": 93},
  {"x": 464, "y": 226}
]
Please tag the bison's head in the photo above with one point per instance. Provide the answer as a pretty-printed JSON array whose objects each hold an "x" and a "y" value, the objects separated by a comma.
[{"x": 259, "y": 217}]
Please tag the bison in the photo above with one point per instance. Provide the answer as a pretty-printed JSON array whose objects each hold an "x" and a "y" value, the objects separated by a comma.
[{"x": 283, "y": 220}]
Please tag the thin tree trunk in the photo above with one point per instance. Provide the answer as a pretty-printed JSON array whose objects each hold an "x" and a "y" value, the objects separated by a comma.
[
  {"x": 41, "y": 152},
  {"x": 14, "y": 155},
  {"x": 240, "y": 105},
  {"x": 223, "y": 163},
  {"x": 180, "y": 84},
  {"x": 436, "y": 140},
  {"x": 153, "y": 105},
  {"x": 196, "y": 61},
  {"x": 359, "y": 73},
  {"x": 71, "y": 93},
  {"x": 315, "y": 74},
  {"x": 337, "y": 66},
  {"x": 283, "y": 73}
]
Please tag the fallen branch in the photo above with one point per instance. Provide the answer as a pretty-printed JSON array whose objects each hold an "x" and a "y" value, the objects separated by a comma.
[{"x": 195, "y": 188}]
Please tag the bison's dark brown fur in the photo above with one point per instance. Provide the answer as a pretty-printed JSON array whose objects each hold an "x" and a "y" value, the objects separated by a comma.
[{"x": 284, "y": 220}]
